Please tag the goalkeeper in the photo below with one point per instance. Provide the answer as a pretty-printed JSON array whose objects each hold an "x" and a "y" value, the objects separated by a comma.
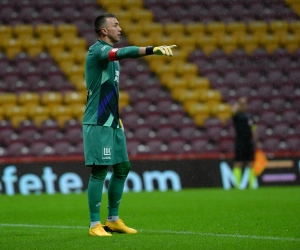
[{"x": 103, "y": 133}]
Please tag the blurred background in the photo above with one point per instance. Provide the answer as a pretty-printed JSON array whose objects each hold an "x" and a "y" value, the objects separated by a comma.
[{"x": 169, "y": 106}]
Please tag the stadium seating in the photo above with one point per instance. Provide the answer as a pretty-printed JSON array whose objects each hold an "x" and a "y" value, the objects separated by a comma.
[{"x": 231, "y": 48}]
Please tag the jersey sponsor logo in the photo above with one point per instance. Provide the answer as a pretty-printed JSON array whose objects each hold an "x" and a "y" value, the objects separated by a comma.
[
  {"x": 103, "y": 48},
  {"x": 106, "y": 153}
]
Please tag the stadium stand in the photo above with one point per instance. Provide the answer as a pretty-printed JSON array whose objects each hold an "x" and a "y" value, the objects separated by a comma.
[{"x": 226, "y": 49}]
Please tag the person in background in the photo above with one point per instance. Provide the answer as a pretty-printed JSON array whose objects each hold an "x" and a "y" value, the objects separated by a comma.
[
  {"x": 246, "y": 141},
  {"x": 103, "y": 134}
]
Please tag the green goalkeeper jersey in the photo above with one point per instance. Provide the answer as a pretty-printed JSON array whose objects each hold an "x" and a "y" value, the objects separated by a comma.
[{"x": 102, "y": 71}]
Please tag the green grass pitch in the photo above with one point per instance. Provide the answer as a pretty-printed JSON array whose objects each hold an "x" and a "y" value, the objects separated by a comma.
[{"x": 267, "y": 218}]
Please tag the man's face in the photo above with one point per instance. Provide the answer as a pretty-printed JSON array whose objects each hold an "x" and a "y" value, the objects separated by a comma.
[{"x": 113, "y": 29}]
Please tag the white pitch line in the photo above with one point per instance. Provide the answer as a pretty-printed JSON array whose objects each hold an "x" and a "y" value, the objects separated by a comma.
[{"x": 165, "y": 231}]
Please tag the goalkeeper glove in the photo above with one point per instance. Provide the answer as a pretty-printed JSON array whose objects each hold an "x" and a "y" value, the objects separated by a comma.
[{"x": 163, "y": 50}]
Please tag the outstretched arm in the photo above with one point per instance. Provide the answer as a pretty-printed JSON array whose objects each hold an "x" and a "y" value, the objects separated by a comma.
[{"x": 134, "y": 52}]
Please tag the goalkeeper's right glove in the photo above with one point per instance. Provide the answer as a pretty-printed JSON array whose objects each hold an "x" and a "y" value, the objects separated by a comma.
[{"x": 163, "y": 50}]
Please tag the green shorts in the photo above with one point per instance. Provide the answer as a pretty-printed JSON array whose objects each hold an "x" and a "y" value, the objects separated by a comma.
[{"x": 104, "y": 145}]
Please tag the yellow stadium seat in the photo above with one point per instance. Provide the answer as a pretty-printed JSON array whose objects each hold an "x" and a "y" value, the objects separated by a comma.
[
  {"x": 124, "y": 97},
  {"x": 15, "y": 110},
  {"x": 163, "y": 40},
  {"x": 63, "y": 119},
  {"x": 202, "y": 95},
  {"x": 133, "y": 38},
  {"x": 61, "y": 110},
  {"x": 200, "y": 119},
  {"x": 171, "y": 28},
  {"x": 37, "y": 113},
  {"x": 213, "y": 95},
  {"x": 75, "y": 69},
  {"x": 171, "y": 81},
  {"x": 76, "y": 44},
  {"x": 184, "y": 68},
  {"x": 1, "y": 113},
  {"x": 25, "y": 98},
  {"x": 8, "y": 99},
  {"x": 65, "y": 57},
  {"x": 116, "y": 9},
  {"x": 155, "y": 65},
  {"x": 143, "y": 14},
  {"x": 78, "y": 110},
  {"x": 249, "y": 43},
  {"x": 16, "y": 114},
  {"x": 45, "y": 32},
  {"x": 37, "y": 110},
  {"x": 166, "y": 78},
  {"x": 186, "y": 43},
  {"x": 12, "y": 47},
  {"x": 78, "y": 81},
  {"x": 132, "y": 3},
  {"x": 123, "y": 16},
  {"x": 66, "y": 65},
  {"x": 67, "y": 30},
  {"x": 39, "y": 120},
  {"x": 216, "y": 28},
  {"x": 106, "y": 3},
  {"x": 236, "y": 28},
  {"x": 152, "y": 28},
  {"x": 178, "y": 55},
  {"x": 130, "y": 28},
  {"x": 296, "y": 8},
  {"x": 207, "y": 43},
  {"x": 23, "y": 31},
  {"x": 291, "y": 42},
  {"x": 51, "y": 98},
  {"x": 79, "y": 56},
  {"x": 257, "y": 27},
  {"x": 228, "y": 43},
  {"x": 61, "y": 113},
  {"x": 177, "y": 93},
  {"x": 219, "y": 108},
  {"x": 223, "y": 112},
  {"x": 197, "y": 82},
  {"x": 294, "y": 26},
  {"x": 196, "y": 108},
  {"x": 5, "y": 32},
  {"x": 163, "y": 68},
  {"x": 279, "y": 27},
  {"x": 195, "y": 29},
  {"x": 183, "y": 95},
  {"x": 74, "y": 98},
  {"x": 270, "y": 42},
  {"x": 16, "y": 120},
  {"x": 55, "y": 45},
  {"x": 33, "y": 47},
  {"x": 144, "y": 41}
]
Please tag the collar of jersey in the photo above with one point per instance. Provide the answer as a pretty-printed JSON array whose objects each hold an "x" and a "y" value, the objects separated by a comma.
[{"x": 103, "y": 42}]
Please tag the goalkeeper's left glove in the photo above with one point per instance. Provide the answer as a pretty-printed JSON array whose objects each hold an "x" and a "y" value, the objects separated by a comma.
[{"x": 163, "y": 50}]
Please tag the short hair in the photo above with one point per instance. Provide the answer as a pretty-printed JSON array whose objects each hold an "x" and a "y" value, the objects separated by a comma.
[{"x": 100, "y": 21}]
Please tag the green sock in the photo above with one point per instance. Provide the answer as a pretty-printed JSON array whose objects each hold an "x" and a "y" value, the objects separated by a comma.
[
  {"x": 95, "y": 188},
  {"x": 116, "y": 186},
  {"x": 237, "y": 172},
  {"x": 115, "y": 191}
]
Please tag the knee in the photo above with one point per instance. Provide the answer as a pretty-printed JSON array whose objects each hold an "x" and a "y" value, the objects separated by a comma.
[
  {"x": 121, "y": 170},
  {"x": 99, "y": 172}
]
